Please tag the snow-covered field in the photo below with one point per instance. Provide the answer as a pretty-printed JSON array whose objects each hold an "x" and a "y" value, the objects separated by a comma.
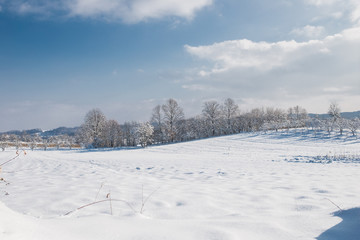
[{"x": 247, "y": 186}]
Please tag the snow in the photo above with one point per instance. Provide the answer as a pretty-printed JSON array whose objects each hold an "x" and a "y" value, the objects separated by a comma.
[{"x": 245, "y": 186}]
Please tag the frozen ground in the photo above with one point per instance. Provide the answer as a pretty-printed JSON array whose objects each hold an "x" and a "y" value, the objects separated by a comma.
[{"x": 247, "y": 186}]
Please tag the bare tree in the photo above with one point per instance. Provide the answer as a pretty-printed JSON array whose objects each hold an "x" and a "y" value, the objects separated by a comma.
[
  {"x": 92, "y": 129},
  {"x": 15, "y": 139},
  {"x": 35, "y": 141},
  {"x": 69, "y": 141},
  {"x": 297, "y": 116},
  {"x": 334, "y": 111},
  {"x": 145, "y": 133},
  {"x": 45, "y": 143},
  {"x": 193, "y": 128},
  {"x": 353, "y": 125},
  {"x": 211, "y": 112},
  {"x": 157, "y": 122},
  {"x": 112, "y": 134},
  {"x": 316, "y": 124},
  {"x": 3, "y": 142},
  {"x": 32, "y": 143},
  {"x": 341, "y": 124},
  {"x": 173, "y": 114},
  {"x": 230, "y": 111},
  {"x": 255, "y": 119},
  {"x": 328, "y": 125},
  {"x": 129, "y": 133},
  {"x": 56, "y": 141}
]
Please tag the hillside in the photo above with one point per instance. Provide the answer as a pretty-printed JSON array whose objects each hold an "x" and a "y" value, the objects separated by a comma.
[{"x": 279, "y": 186}]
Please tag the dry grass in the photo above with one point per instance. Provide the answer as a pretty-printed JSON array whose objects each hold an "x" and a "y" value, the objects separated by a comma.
[
  {"x": 109, "y": 199},
  {"x": 18, "y": 154}
]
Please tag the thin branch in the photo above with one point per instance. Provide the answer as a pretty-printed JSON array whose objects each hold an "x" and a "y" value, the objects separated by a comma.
[
  {"x": 111, "y": 210},
  {"x": 102, "y": 184},
  {"x": 105, "y": 200},
  {"x": 17, "y": 155},
  {"x": 142, "y": 199},
  {"x": 148, "y": 197},
  {"x": 334, "y": 204},
  {"x": 3, "y": 180},
  {"x": 109, "y": 197}
]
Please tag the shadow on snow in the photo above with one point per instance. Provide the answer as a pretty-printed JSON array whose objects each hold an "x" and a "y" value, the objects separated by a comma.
[{"x": 347, "y": 229}]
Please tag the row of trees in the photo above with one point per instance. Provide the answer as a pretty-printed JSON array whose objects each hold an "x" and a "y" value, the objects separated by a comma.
[
  {"x": 168, "y": 124},
  {"x": 332, "y": 125},
  {"x": 97, "y": 131},
  {"x": 335, "y": 122},
  {"x": 36, "y": 141},
  {"x": 220, "y": 119}
]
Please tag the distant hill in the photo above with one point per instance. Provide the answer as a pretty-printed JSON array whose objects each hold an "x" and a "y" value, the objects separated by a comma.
[
  {"x": 24, "y": 132},
  {"x": 61, "y": 131},
  {"x": 49, "y": 133},
  {"x": 348, "y": 115}
]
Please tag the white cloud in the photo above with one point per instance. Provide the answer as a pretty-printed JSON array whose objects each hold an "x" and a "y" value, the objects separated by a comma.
[
  {"x": 337, "y": 89},
  {"x": 284, "y": 72},
  {"x": 40, "y": 7},
  {"x": 321, "y": 2},
  {"x": 265, "y": 56},
  {"x": 197, "y": 87},
  {"x": 130, "y": 11},
  {"x": 341, "y": 8},
  {"x": 1, "y": 5},
  {"x": 28, "y": 8},
  {"x": 245, "y": 53},
  {"x": 337, "y": 15},
  {"x": 309, "y": 32},
  {"x": 355, "y": 14}
]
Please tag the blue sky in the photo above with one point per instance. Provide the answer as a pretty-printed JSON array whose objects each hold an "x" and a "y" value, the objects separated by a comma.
[{"x": 59, "y": 59}]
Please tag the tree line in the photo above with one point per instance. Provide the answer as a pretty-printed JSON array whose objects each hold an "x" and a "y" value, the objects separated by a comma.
[
  {"x": 168, "y": 124},
  {"x": 33, "y": 141}
]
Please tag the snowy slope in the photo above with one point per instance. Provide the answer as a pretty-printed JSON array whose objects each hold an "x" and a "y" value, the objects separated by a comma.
[{"x": 247, "y": 186}]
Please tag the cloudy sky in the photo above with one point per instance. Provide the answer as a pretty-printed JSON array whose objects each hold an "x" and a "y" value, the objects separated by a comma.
[{"x": 59, "y": 59}]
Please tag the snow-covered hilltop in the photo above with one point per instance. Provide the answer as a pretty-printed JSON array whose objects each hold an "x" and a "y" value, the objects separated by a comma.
[{"x": 245, "y": 186}]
